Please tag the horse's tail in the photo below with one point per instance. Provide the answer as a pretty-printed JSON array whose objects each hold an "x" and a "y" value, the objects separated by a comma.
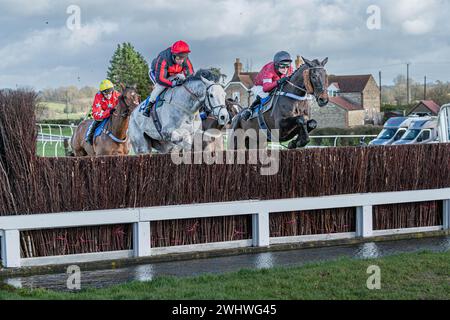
[{"x": 67, "y": 149}]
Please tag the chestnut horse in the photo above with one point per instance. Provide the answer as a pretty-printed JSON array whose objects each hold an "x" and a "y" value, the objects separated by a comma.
[{"x": 113, "y": 140}]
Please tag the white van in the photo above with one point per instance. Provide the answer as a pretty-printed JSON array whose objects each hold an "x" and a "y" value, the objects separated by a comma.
[{"x": 421, "y": 130}]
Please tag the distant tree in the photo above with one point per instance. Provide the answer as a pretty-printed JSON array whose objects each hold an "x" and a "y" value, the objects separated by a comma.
[
  {"x": 88, "y": 92},
  {"x": 219, "y": 74},
  {"x": 129, "y": 67},
  {"x": 439, "y": 93}
]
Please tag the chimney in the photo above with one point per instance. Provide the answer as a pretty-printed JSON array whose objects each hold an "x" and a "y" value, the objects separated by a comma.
[
  {"x": 237, "y": 67},
  {"x": 298, "y": 62}
]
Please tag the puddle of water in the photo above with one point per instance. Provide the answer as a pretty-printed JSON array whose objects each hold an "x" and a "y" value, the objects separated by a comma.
[{"x": 147, "y": 272}]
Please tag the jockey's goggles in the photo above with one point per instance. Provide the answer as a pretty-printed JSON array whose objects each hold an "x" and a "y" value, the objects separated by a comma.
[
  {"x": 284, "y": 65},
  {"x": 181, "y": 55},
  {"x": 107, "y": 91}
]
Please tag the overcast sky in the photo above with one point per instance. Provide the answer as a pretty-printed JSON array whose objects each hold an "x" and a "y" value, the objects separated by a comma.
[{"x": 37, "y": 48}]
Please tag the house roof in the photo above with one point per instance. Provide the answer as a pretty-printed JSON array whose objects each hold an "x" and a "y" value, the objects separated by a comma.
[
  {"x": 246, "y": 78},
  {"x": 350, "y": 83},
  {"x": 345, "y": 104},
  {"x": 430, "y": 104}
]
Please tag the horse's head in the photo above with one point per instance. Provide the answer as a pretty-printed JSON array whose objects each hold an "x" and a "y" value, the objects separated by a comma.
[
  {"x": 215, "y": 101},
  {"x": 131, "y": 99},
  {"x": 316, "y": 80}
]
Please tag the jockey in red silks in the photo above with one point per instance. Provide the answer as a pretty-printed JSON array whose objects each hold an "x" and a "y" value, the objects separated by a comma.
[
  {"x": 105, "y": 100},
  {"x": 272, "y": 75},
  {"x": 169, "y": 70}
]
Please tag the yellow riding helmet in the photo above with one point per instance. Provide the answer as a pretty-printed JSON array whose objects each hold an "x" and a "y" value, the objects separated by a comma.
[{"x": 105, "y": 85}]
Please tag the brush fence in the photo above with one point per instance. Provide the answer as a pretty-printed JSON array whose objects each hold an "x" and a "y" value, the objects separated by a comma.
[{"x": 260, "y": 211}]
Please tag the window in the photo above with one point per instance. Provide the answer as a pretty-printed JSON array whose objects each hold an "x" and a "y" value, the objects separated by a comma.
[
  {"x": 424, "y": 136},
  {"x": 399, "y": 134},
  {"x": 333, "y": 93},
  {"x": 236, "y": 94}
]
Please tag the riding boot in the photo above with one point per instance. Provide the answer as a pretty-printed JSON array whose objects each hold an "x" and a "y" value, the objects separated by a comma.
[
  {"x": 90, "y": 135},
  {"x": 249, "y": 111},
  {"x": 148, "y": 108}
]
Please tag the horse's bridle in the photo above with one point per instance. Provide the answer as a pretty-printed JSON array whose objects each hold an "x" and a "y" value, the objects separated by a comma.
[
  {"x": 207, "y": 101},
  {"x": 304, "y": 89},
  {"x": 126, "y": 112}
]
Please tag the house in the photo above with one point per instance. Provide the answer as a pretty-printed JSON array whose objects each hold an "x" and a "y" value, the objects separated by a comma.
[
  {"x": 354, "y": 101},
  {"x": 428, "y": 107},
  {"x": 241, "y": 83}
]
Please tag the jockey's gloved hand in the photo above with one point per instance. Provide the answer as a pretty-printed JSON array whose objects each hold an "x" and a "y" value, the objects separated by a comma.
[
  {"x": 282, "y": 81},
  {"x": 177, "y": 82}
]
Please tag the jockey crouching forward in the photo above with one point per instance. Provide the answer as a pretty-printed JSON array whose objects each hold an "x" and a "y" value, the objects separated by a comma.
[
  {"x": 272, "y": 75},
  {"x": 105, "y": 100},
  {"x": 169, "y": 70}
]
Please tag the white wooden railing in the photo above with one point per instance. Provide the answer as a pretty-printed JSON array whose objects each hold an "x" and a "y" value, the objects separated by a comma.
[{"x": 141, "y": 218}]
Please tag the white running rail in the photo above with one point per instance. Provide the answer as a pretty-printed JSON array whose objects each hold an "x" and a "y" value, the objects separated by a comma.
[{"x": 141, "y": 218}]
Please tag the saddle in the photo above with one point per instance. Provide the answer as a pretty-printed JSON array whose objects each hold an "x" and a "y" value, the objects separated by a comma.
[
  {"x": 265, "y": 105},
  {"x": 98, "y": 130},
  {"x": 158, "y": 103}
]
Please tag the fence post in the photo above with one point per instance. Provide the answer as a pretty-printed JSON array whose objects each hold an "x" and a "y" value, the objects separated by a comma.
[
  {"x": 141, "y": 239},
  {"x": 446, "y": 214},
  {"x": 364, "y": 223},
  {"x": 11, "y": 248},
  {"x": 260, "y": 229}
]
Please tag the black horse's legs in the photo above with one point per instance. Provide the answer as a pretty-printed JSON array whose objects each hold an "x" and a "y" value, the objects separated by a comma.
[
  {"x": 302, "y": 137},
  {"x": 300, "y": 130}
]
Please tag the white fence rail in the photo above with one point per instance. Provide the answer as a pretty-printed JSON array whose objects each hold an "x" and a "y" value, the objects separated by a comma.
[
  {"x": 141, "y": 218},
  {"x": 51, "y": 138}
]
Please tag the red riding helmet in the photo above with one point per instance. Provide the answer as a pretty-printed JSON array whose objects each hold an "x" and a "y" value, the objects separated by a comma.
[{"x": 180, "y": 47}]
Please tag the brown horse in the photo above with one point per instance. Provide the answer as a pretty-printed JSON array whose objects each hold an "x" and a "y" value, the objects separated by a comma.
[
  {"x": 233, "y": 108},
  {"x": 113, "y": 140},
  {"x": 289, "y": 110}
]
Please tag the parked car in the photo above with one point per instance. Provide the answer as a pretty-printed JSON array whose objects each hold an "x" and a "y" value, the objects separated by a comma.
[
  {"x": 393, "y": 130},
  {"x": 421, "y": 130}
]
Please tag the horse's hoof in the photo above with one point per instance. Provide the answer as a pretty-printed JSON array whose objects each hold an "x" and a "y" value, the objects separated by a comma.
[
  {"x": 302, "y": 143},
  {"x": 292, "y": 145}
]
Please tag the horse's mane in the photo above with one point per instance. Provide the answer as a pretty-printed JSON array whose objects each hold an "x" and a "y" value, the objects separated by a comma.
[{"x": 208, "y": 74}]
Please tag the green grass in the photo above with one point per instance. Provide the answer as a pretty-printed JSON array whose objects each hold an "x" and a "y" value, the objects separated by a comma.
[
  {"x": 423, "y": 275},
  {"x": 55, "y": 130},
  {"x": 57, "y": 111},
  {"x": 54, "y": 106},
  {"x": 49, "y": 149}
]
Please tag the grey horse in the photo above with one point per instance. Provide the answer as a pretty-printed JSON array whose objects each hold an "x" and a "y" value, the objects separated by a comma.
[{"x": 179, "y": 115}]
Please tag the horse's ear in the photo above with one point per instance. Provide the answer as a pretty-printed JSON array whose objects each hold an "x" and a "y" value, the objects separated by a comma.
[
  {"x": 309, "y": 63},
  {"x": 324, "y": 62},
  {"x": 206, "y": 81},
  {"x": 236, "y": 99},
  {"x": 122, "y": 86},
  {"x": 134, "y": 86}
]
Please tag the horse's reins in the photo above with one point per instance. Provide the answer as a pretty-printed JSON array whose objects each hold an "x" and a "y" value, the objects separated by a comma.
[
  {"x": 122, "y": 115},
  {"x": 300, "y": 88},
  {"x": 207, "y": 102}
]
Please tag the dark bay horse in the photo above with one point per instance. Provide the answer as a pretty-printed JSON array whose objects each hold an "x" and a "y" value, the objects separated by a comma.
[
  {"x": 214, "y": 142},
  {"x": 113, "y": 140},
  {"x": 288, "y": 111},
  {"x": 233, "y": 108}
]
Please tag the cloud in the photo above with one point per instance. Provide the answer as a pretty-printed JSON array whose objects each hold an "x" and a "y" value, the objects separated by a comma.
[
  {"x": 50, "y": 42},
  {"x": 418, "y": 26},
  {"x": 220, "y": 31}
]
